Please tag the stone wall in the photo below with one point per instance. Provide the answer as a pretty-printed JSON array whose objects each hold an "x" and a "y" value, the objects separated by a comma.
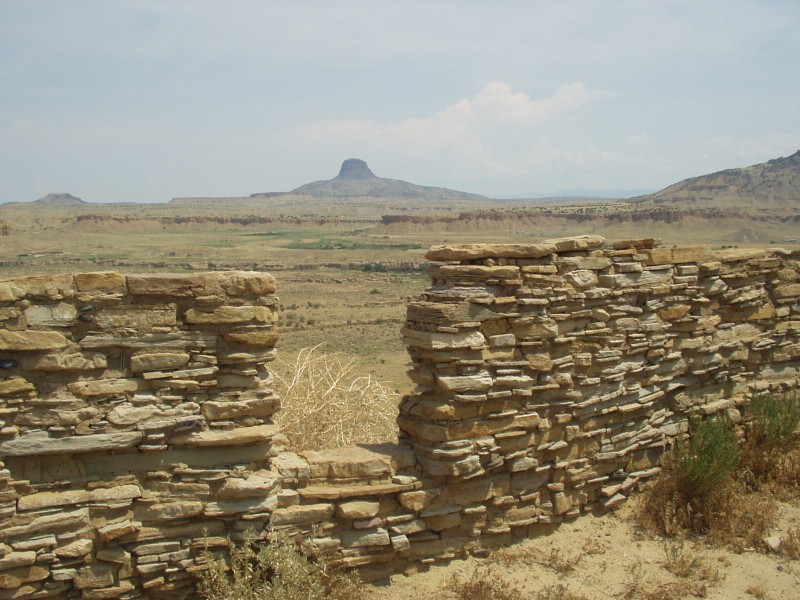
[
  {"x": 136, "y": 411},
  {"x": 131, "y": 409}
]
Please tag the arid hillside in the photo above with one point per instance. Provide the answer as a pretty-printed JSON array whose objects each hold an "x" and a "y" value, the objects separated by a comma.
[{"x": 774, "y": 184}]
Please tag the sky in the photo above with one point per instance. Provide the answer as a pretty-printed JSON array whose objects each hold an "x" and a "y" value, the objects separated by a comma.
[{"x": 145, "y": 100}]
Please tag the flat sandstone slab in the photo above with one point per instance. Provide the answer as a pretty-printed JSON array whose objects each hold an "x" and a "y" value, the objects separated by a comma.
[
  {"x": 240, "y": 436},
  {"x": 39, "y": 442}
]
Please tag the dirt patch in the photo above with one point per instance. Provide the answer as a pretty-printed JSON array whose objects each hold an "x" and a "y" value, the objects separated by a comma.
[{"x": 599, "y": 557}]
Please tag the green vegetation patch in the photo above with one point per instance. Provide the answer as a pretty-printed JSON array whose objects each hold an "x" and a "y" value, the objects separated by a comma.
[{"x": 327, "y": 243}]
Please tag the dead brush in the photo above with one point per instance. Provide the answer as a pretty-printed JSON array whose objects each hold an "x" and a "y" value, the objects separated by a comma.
[
  {"x": 771, "y": 451},
  {"x": 559, "y": 562},
  {"x": 326, "y": 404},
  {"x": 689, "y": 564},
  {"x": 741, "y": 519},
  {"x": 482, "y": 583},
  {"x": 757, "y": 590},
  {"x": 593, "y": 545},
  {"x": 731, "y": 515},
  {"x": 641, "y": 587},
  {"x": 790, "y": 543},
  {"x": 557, "y": 592}
]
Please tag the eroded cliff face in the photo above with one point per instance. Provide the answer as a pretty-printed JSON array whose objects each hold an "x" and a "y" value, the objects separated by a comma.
[{"x": 136, "y": 411}]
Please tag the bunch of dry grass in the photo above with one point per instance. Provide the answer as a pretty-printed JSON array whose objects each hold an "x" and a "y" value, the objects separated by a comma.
[
  {"x": 689, "y": 564},
  {"x": 771, "y": 452},
  {"x": 557, "y": 591},
  {"x": 729, "y": 515},
  {"x": 326, "y": 404},
  {"x": 790, "y": 544},
  {"x": 481, "y": 584},
  {"x": 642, "y": 587}
]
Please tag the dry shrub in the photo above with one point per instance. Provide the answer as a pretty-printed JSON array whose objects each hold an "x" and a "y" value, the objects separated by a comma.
[
  {"x": 790, "y": 543},
  {"x": 593, "y": 545},
  {"x": 557, "y": 592},
  {"x": 742, "y": 519},
  {"x": 688, "y": 564},
  {"x": 729, "y": 515},
  {"x": 641, "y": 587},
  {"x": 757, "y": 590},
  {"x": 275, "y": 570},
  {"x": 325, "y": 404},
  {"x": 561, "y": 563},
  {"x": 482, "y": 584}
]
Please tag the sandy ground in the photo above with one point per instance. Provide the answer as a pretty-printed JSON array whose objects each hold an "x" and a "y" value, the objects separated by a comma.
[{"x": 608, "y": 557}]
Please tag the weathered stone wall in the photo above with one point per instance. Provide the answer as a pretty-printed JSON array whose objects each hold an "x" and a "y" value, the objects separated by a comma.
[
  {"x": 567, "y": 367},
  {"x": 136, "y": 410},
  {"x": 130, "y": 410}
]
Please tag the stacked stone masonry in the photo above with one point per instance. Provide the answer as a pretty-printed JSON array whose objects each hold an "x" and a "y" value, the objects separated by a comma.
[{"x": 136, "y": 427}]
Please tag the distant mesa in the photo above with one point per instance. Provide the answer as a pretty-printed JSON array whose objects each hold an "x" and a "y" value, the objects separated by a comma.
[
  {"x": 356, "y": 179},
  {"x": 773, "y": 184},
  {"x": 59, "y": 200}
]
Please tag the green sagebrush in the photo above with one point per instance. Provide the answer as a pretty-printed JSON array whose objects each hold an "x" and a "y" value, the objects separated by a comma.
[
  {"x": 707, "y": 458},
  {"x": 274, "y": 569}
]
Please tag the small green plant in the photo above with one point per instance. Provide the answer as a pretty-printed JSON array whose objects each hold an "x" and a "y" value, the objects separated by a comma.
[
  {"x": 695, "y": 483},
  {"x": 707, "y": 458},
  {"x": 275, "y": 570}
]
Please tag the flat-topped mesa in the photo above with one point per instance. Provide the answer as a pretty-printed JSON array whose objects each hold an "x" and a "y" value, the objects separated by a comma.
[{"x": 355, "y": 168}]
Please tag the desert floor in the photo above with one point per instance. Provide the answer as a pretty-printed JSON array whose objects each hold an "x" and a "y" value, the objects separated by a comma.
[{"x": 608, "y": 556}]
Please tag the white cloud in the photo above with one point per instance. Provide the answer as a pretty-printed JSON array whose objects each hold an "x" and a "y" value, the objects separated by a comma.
[
  {"x": 497, "y": 102},
  {"x": 478, "y": 133}
]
